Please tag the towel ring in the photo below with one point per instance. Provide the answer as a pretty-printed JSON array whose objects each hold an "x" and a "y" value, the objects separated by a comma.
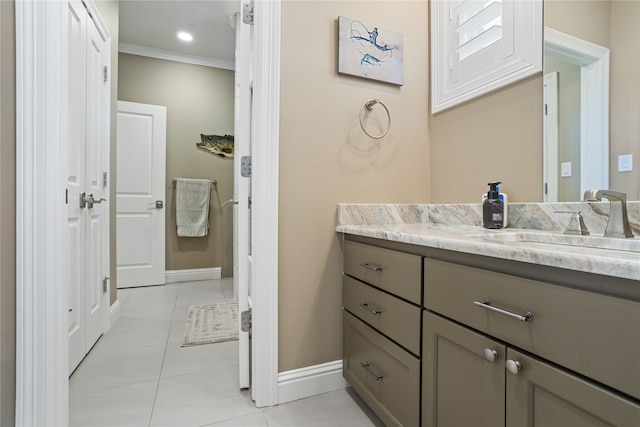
[{"x": 369, "y": 106}]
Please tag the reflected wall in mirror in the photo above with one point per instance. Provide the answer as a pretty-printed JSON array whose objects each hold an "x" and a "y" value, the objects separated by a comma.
[{"x": 589, "y": 140}]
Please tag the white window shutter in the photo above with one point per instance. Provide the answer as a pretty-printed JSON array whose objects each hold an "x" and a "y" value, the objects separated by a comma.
[{"x": 480, "y": 45}]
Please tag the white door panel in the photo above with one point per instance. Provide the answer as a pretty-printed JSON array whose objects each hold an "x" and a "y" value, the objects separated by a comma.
[
  {"x": 87, "y": 137},
  {"x": 75, "y": 181},
  {"x": 96, "y": 135},
  {"x": 141, "y": 164}
]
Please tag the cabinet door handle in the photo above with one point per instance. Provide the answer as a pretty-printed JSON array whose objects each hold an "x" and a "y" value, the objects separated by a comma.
[
  {"x": 375, "y": 376},
  {"x": 490, "y": 355},
  {"x": 513, "y": 366},
  {"x": 365, "y": 305},
  {"x": 371, "y": 267},
  {"x": 526, "y": 317}
]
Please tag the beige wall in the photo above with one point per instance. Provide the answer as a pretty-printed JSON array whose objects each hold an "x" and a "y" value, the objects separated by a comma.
[
  {"x": 325, "y": 159},
  {"x": 586, "y": 19},
  {"x": 7, "y": 214},
  {"x": 625, "y": 95},
  {"x": 497, "y": 137},
  {"x": 199, "y": 100}
]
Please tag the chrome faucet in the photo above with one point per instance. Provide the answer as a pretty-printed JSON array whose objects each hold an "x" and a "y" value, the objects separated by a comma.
[{"x": 618, "y": 224}]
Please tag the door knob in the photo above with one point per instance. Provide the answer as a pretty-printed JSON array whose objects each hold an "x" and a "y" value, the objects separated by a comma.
[
  {"x": 88, "y": 200},
  {"x": 159, "y": 204}
]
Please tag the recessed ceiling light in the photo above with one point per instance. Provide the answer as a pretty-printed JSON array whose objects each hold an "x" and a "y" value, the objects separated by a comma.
[{"x": 184, "y": 36}]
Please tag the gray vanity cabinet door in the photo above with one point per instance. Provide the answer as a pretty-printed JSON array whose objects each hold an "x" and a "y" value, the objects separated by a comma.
[
  {"x": 594, "y": 335},
  {"x": 462, "y": 378},
  {"x": 544, "y": 396}
]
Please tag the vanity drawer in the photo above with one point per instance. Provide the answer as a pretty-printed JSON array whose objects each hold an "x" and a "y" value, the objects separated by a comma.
[
  {"x": 384, "y": 375},
  {"x": 395, "y": 318},
  {"x": 396, "y": 272},
  {"x": 574, "y": 328}
]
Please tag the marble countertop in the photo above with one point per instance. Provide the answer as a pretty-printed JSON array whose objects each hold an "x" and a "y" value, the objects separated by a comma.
[{"x": 474, "y": 239}]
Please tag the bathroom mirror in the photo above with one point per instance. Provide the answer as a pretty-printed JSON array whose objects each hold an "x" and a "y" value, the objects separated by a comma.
[{"x": 591, "y": 62}]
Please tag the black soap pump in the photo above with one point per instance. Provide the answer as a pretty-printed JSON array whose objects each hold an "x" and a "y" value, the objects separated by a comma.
[{"x": 493, "y": 208}]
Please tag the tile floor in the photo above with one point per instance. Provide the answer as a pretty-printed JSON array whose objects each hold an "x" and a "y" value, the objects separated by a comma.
[{"x": 137, "y": 374}]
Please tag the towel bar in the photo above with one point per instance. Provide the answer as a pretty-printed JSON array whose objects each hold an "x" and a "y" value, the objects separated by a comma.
[{"x": 214, "y": 183}]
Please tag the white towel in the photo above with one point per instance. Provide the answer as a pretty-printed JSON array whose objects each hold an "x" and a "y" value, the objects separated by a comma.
[{"x": 192, "y": 207}]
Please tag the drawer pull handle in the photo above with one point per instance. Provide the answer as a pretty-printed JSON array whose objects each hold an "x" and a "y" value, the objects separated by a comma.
[
  {"x": 526, "y": 317},
  {"x": 375, "y": 376},
  {"x": 365, "y": 305},
  {"x": 371, "y": 267}
]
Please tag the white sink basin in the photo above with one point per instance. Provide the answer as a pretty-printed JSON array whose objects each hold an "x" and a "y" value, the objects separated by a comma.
[{"x": 540, "y": 239}]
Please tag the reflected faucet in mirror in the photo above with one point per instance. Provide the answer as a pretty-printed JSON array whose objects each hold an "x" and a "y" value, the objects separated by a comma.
[{"x": 618, "y": 224}]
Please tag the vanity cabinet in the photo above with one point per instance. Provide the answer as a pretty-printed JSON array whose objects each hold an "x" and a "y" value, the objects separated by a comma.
[
  {"x": 505, "y": 350},
  {"x": 435, "y": 337},
  {"x": 382, "y": 318}
]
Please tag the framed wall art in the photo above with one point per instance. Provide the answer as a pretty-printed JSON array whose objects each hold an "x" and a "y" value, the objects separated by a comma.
[{"x": 368, "y": 51}]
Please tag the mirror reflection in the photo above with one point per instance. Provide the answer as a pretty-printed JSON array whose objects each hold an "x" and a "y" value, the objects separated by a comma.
[{"x": 592, "y": 97}]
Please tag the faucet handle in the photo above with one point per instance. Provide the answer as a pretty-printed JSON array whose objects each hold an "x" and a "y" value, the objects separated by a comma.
[{"x": 576, "y": 224}]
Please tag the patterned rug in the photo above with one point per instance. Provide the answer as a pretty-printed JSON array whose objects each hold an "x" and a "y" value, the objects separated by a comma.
[{"x": 211, "y": 323}]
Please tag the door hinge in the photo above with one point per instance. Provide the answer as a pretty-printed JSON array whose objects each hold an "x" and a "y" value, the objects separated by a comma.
[
  {"x": 245, "y": 166},
  {"x": 546, "y": 110},
  {"x": 105, "y": 70},
  {"x": 247, "y": 13},
  {"x": 245, "y": 321},
  {"x": 66, "y": 196},
  {"x": 105, "y": 279}
]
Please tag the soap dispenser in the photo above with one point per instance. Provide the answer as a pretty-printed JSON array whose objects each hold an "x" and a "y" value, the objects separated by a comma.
[{"x": 493, "y": 208}]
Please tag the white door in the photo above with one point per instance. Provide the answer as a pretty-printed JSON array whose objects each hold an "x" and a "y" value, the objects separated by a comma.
[
  {"x": 77, "y": 25},
  {"x": 88, "y": 134},
  {"x": 96, "y": 181},
  {"x": 140, "y": 194},
  {"x": 242, "y": 189}
]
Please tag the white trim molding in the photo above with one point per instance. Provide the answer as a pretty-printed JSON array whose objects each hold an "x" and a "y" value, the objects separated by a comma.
[
  {"x": 42, "y": 350},
  {"x": 264, "y": 211},
  {"x": 192, "y": 275},
  {"x": 174, "y": 56},
  {"x": 310, "y": 381}
]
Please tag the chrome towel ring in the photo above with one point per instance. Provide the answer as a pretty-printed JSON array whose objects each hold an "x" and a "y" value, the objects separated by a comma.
[{"x": 369, "y": 106}]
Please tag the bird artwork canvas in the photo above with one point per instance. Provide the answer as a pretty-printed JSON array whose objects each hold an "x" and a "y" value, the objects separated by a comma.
[{"x": 369, "y": 51}]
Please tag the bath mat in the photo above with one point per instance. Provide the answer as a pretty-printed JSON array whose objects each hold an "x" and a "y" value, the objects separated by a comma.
[{"x": 211, "y": 323}]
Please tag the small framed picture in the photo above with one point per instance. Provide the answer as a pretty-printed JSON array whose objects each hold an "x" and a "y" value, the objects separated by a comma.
[{"x": 366, "y": 50}]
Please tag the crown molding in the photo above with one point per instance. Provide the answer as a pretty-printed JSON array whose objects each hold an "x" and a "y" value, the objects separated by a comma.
[{"x": 174, "y": 56}]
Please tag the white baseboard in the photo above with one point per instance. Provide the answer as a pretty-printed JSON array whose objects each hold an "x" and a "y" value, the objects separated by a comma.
[
  {"x": 114, "y": 313},
  {"x": 310, "y": 381},
  {"x": 192, "y": 275}
]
